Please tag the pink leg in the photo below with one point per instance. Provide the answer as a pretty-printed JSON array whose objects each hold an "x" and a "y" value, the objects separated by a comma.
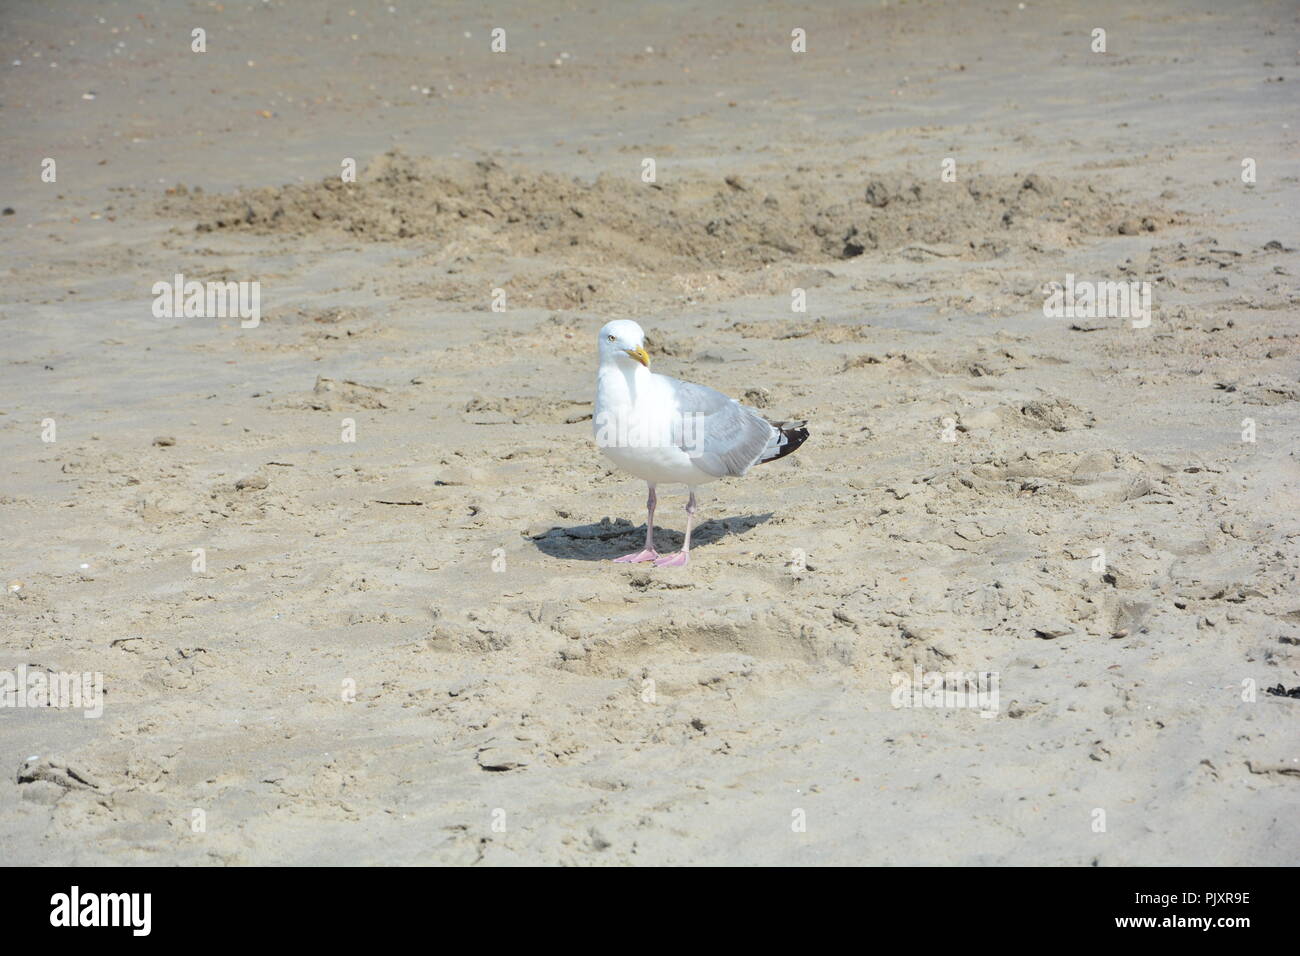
[
  {"x": 649, "y": 554},
  {"x": 682, "y": 557}
]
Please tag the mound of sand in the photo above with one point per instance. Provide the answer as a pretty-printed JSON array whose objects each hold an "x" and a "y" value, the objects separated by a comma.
[{"x": 690, "y": 222}]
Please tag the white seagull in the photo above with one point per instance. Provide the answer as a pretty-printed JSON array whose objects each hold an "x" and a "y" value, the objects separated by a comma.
[{"x": 670, "y": 432}]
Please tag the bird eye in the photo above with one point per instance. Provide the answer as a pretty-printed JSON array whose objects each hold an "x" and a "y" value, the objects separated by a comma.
[{"x": 611, "y": 338}]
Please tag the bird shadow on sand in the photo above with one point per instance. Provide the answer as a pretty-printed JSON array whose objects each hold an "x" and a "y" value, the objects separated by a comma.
[{"x": 610, "y": 539}]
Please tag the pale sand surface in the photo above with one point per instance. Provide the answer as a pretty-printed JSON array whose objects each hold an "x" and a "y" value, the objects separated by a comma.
[{"x": 878, "y": 547}]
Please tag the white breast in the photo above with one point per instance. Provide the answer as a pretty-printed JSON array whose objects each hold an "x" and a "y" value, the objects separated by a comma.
[{"x": 633, "y": 423}]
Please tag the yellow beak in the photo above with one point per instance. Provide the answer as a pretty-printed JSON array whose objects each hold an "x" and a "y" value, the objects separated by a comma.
[{"x": 641, "y": 355}]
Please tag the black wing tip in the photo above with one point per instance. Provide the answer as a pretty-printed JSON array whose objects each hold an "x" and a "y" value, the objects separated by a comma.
[{"x": 793, "y": 434}]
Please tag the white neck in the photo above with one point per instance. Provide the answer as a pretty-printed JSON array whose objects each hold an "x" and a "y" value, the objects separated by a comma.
[{"x": 619, "y": 379}]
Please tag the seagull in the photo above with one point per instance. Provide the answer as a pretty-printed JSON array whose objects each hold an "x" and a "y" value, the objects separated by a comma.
[{"x": 668, "y": 432}]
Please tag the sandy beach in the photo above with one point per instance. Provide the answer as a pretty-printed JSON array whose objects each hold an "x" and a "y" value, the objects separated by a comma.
[{"x": 343, "y": 570}]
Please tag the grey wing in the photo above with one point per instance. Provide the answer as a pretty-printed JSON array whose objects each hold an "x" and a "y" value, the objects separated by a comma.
[{"x": 723, "y": 437}]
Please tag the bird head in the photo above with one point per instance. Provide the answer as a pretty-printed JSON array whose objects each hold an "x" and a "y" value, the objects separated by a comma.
[{"x": 622, "y": 341}]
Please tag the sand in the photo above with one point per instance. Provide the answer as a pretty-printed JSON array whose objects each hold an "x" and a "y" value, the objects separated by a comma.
[{"x": 411, "y": 647}]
